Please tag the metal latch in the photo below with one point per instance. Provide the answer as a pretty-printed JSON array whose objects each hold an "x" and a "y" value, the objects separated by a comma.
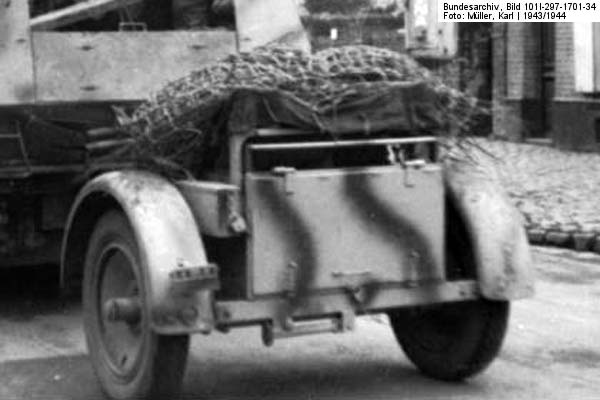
[
  {"x": 353, "y": 282},
  {"x": 285, "y": 173},
  {"x": 411, "y": 165},
  {"x": 396, "y": 157}
]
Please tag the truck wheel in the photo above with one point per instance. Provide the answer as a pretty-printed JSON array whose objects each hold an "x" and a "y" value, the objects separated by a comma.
[
  {"x": 130, "y": 360},
  {"x": 451, "y": 341}
]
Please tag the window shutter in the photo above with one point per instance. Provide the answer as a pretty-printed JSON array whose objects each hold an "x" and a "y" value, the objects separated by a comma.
[{"x": 586, "y": 55}]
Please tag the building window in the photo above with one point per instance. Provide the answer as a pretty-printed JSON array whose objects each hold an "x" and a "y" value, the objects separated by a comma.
[
  {"x": 424, "y": 34},
  {"x": 586, "y": 48}
]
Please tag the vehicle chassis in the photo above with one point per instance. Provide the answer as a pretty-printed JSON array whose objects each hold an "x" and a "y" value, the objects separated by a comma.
[{"x": 260, "y": 245}]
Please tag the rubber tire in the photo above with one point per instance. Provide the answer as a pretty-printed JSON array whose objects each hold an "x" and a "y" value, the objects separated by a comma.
[
  {"x": 472, "y": 334},
  {"x": 163, "y": 358}
]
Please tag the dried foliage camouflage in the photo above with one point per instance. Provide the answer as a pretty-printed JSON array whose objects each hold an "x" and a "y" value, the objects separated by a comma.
[{"x": 177, "y": 120}]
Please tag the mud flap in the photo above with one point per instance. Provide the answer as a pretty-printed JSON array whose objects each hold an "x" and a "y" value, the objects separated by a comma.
[{"x": 502, "y": 254}]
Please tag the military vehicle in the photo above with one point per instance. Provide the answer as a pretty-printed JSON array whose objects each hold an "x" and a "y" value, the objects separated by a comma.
[{"x": 273, "y": 239}]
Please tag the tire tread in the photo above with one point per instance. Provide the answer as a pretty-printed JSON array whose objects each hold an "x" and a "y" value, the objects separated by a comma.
[{"x": 474, "y": 352}]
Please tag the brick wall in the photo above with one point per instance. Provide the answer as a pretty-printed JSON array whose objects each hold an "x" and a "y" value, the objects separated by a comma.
[
  {"x": 499, "y": 86},
  {"x": 520, "y": 111},
  {"x": 576, "y": 116},
  {"x": 565, "y": 69},
  {"x": 523, "y": 64},
  {"x": 517, "y": 58}
]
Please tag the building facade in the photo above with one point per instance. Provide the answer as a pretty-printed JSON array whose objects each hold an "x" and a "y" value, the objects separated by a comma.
[{"x": 546, "y": 84}]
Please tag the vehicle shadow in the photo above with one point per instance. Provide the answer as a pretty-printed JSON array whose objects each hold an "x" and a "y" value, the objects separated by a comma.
[
  {"x": 72, "y": 377},
  {"x": 292, "y": 373},
  {"x": 49, "y": 360},
  {"x": 27, "y": 292}
]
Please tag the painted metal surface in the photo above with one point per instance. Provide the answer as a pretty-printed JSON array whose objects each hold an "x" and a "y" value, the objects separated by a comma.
[
  {"x": 339, "y": 144},
  {"x": 16, "y": 63},
  {"x": 248, "y": 312},
  {"x": 263, "y": 22},
  {"x": 215, "y": 206},
  {"x": 324, "y": 229},
  {"x": 502, "y": 254},
  {"x": 78, "y": 12},
  {"x": 119, "y": 66},
  {"x": 168, "y": 240},
  {"x": 63, "y": 67}
]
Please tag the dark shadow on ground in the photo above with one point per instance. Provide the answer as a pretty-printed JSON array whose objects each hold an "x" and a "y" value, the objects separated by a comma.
[
  {"x": 301, "y": 379},
  {"x": 26, "y": 292},
  {"x": 69, "y": 378}
]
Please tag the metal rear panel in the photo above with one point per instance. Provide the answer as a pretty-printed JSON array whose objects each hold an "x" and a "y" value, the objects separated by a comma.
[
  {"x": 214, "y": 206},
  {"x": 16, "y": 64},
  {"x": 120, "y": 66},
  {"x": 334, "y": 228}
]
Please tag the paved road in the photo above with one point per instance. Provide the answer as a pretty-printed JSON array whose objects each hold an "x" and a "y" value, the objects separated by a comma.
[
  {"x": 552, "y": 351},
  {"x": 553, "y": 189}
]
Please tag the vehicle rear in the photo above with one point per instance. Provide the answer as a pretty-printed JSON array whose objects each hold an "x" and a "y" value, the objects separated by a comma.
[{"x": 296, "y": 222}]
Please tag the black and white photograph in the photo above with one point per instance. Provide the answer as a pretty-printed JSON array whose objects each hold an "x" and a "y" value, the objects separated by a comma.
[{"x": 299, "y": 199}]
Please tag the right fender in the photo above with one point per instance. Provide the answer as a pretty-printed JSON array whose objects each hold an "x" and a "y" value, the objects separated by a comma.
[{"x": 495, "y": 227}]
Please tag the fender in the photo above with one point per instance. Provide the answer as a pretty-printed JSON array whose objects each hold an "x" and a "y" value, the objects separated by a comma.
[
  {"x": 167, "y": 236},
  {"x": 500, "y": 246}
]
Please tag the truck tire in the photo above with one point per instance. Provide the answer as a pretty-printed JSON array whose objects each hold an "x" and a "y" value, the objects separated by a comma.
[
  {"x": 129, "y": 359},
  {"x": 452, "y": 341}
]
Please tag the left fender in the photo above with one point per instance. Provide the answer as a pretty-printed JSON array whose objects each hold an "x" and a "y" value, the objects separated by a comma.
[{"x": 167, "y": 237}]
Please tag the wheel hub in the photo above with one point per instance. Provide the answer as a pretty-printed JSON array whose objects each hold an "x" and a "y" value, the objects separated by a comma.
[
  {"x": 123, "y": 309},
  {"x": 120, "y": 310}
]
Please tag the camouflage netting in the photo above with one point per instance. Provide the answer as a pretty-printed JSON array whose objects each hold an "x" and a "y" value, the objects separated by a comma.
[{"x": 177, "y": 122}]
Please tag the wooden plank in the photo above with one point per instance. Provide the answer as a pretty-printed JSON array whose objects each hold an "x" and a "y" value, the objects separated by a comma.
[
  {"x": 77, "y": 12},
  {"x": 120, "y": 66},
  {"x": 16, "y": 63},
  {"x": 583, "y": 57},
  {"x": 262, "y": 22}
]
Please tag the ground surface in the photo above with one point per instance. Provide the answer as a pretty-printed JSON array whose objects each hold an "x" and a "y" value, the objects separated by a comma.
[
  {"x": 555, "y": 190},
  {"x": 552, "y": 351}
]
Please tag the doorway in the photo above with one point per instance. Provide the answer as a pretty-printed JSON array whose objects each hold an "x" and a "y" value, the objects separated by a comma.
[{"x": 547, "y": 44}]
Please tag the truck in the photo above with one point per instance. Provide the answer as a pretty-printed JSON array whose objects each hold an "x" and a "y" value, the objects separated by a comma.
[{"x": 273, "y": 240}]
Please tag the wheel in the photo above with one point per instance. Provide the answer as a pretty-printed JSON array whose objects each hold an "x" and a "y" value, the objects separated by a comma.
[
  {"x": 452, "y": 341},
  {"x": 130, "y": 360}
]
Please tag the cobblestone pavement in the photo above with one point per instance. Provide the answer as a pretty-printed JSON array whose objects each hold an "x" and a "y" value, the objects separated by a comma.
[{"x": 558, "y": 192}]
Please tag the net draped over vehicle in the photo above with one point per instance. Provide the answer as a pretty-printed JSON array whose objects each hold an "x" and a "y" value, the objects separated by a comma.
[{"x": 338, "y": 90}]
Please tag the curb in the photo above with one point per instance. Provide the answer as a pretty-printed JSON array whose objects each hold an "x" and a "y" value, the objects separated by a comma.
[{"x": 578, "y": 241}]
